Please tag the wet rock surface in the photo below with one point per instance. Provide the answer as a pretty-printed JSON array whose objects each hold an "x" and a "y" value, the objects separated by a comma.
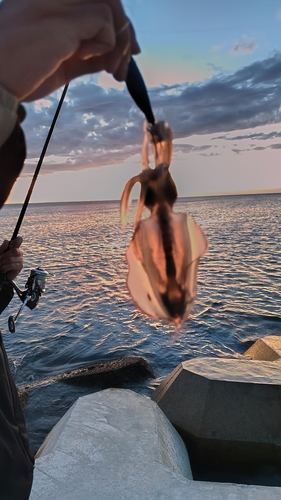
[
  {"x": 265, "y": 349},
  {"x": 48, "y": 399},
  {"x": 228, "y": 412}
]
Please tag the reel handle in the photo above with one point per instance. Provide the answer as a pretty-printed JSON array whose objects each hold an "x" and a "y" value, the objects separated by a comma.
[{"x": 34, "y": 288}]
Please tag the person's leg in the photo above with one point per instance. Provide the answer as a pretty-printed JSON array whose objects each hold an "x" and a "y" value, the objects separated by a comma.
[{"x": 16, "y": 460}]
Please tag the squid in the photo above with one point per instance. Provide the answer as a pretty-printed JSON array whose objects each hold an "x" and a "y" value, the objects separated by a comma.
[{"x": 166, "y": 247}]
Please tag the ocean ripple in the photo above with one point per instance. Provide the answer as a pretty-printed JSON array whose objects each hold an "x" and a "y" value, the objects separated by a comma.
[{"x": 86, "y": 315}]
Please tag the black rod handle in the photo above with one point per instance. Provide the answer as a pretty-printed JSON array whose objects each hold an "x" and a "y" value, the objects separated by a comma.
[{"x": 138, "y": 91}]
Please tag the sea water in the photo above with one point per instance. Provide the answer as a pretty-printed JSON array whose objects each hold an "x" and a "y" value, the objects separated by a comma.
[{"x": 86, "y": 316}]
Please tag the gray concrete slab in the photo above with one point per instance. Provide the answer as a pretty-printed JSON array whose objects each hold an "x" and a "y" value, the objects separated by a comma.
[
  {"x": 118, "y": 445},
  {"x": 266, "y": 349},
  {"x": 226, "y": 406}
]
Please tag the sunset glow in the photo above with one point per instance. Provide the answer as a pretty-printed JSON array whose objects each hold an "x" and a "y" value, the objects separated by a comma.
[{"x": 213, "y": 72}]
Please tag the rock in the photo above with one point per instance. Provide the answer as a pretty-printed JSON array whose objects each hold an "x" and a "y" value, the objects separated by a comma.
[
  {"x": 266, "y": 349},
  {"x": 114, "y": 373},
  {"x": 115, "y": 443},
  {"x": 45, "y": 401},
  {"x": 228, "y": 410},
  {"x": 23, "y": 395}
]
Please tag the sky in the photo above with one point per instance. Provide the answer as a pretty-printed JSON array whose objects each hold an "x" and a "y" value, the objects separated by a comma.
[{"x": 213, "y": 72}]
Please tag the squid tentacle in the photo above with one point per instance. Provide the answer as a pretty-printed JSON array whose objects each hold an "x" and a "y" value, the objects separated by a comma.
[
  {"x": 125, "y": 198},
  {"x": 145, "y": 159},
  {"x": 161, "y": 141},
  {"x": 141, "y": 203}
]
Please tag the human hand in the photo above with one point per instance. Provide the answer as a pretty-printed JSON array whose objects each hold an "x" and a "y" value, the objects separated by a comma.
[
  {"x": 11, "y": 261},
  {"x": 44, "y": 45}
]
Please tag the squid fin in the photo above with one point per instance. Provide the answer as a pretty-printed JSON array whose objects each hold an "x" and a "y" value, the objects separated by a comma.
[
  {"x": 198, "y": 240},
  {"x": 167, "y": 295},
  {"x": 198, "y": 245},
  {"x": 140, "y": 288}
]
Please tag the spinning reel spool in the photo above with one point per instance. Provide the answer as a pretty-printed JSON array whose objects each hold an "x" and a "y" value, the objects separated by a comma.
[{"x": 35, "y": 286}]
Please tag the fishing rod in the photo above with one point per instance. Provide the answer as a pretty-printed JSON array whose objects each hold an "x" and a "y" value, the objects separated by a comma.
[
  {"x": 36, "y": 281},
  {"x": 138, "y": 91},
  {"x": 39, "y": 164},
  {"x": 35, "y": 284}
]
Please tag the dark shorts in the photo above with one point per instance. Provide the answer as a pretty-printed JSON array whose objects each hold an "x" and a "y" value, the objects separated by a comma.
[{"x": 16, "y": 460}]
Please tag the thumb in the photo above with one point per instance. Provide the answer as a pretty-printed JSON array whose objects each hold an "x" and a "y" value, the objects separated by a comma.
[{"x": 16, "y": 243}]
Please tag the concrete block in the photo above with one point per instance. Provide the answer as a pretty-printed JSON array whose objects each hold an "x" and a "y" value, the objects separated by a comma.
[
  {"x": 107, "y": 430},
  {"x": 225, "y": 407},
  {"x": 266, "y": 349},
  {"x": 116, "y": 444}
]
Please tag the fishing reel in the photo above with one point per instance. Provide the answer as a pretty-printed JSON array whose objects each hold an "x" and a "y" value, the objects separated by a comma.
[{"x": 34, "y": 287}]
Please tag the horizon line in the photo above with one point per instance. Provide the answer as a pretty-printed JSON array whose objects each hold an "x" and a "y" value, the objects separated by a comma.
[{"x": 203, "y": 195}]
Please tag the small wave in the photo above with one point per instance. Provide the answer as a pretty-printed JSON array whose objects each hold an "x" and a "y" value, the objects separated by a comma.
[{"x": 252, "y": 314}]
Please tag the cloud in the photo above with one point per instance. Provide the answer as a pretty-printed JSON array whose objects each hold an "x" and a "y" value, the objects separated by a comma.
[
  {"x": 189, "y": 148},
  {"x": 95, "y": 128},
  {"x": 207, "y": 155},
  {"x": 257, "y": 136},
  {"x": 104, "y": 127},
  {"x": 248, "y": 98},
  {"x": 272, "y": 146},
  {"x": 244, "y": 46}
]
